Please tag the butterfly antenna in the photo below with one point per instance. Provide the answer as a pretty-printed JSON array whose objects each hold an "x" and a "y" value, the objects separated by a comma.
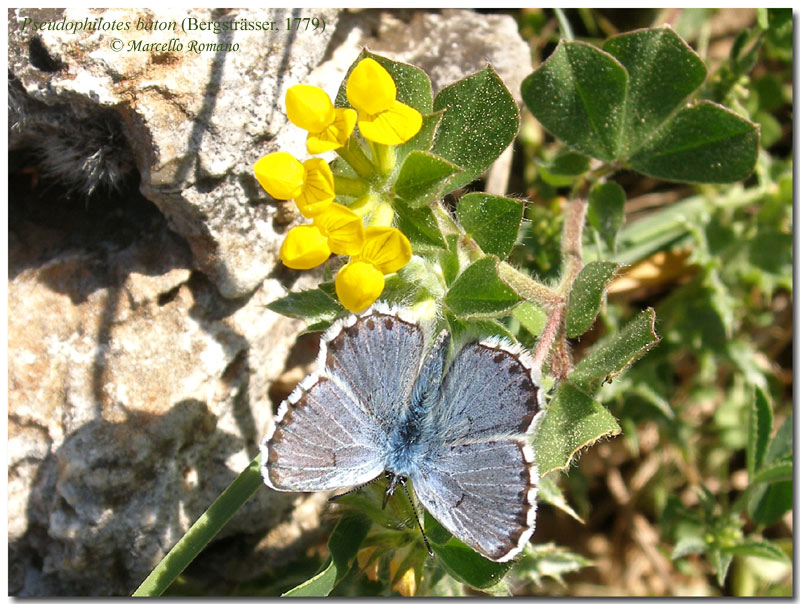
[
  {"x": 358, "y": 488},
  {"x": 416, "y": 517}
]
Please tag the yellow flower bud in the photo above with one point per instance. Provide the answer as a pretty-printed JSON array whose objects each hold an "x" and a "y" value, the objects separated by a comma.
[
  {"x": 280, "y": 174},
  {"x": 358, "y": 285},
  {"x": 305, "y": 247},
  {"x": 386, "y": 248},
  {"x": 343, "y": 228},
  {"x": 310, "y": 108},
  {"x": 370, "y": 88}
]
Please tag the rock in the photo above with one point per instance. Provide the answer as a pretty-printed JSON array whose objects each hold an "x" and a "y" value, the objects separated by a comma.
[{"x": 143, "y": 364}]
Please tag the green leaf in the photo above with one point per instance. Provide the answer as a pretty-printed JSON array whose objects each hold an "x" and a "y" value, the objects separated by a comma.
[
  {"x": 540, "y": 560},
  {"x": 343, "y": 544},
  {"x": 624, "y": 106},
  {"x": 573, "y": 420},
  {"x": 479, "y": 293},
  {"x": 311, "y": 305},
  {"x": 613, "y": 354},
  {"x": 468, "y": 566},
  {"x": 578, "y": 94},
  {"x": 474, "y": 329},
  {"x": 449, "y": 260},
  {"x": 491, "y": 220},
  {"x": 531, "y": 317},
  {"x": 587, "y": 295},
  {"x": 564, "y": 168},
  {"x": 759, "y": 549},
  {"x": 769, "y": 502},
  {"x": 413, "y": 85},
  {"x": 759, "y": 430},
  {"x": 422, "y": 178},
  {"x": 706, "y": 143},
  {"x": 422, "y": 140},
  {"x": 662, "y": 72},
  {"x": 435, "y": 532},
  {"x": 721, "y": 562},
  {"x": 420, "y": 226},
  {"x": 607, "y": 211},
  {"x": 548, "y": 492},
  {"x": 480, "y": 120},
  {"x": 776, "y": 473}
]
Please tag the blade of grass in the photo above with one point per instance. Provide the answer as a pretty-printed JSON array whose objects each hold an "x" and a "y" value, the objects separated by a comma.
[{"x": 202, "y": 531}]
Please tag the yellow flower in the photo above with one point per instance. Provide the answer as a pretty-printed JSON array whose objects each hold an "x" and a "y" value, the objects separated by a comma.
[
  {"x": 359, "y": 283},
  {"x": 310, "y": 184},
  {"x": 305, "y": 247},
  {"x": 381, "y": 117},
  {"x": 343, "y": 229},
  {"x": 337, "y": 230},
  {"x": 310, "y": 108},
  {"x": 386, "y": 248}
]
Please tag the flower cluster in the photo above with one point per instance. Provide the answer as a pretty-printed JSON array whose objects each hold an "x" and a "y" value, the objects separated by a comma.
[{"x": 377, "y": 248}]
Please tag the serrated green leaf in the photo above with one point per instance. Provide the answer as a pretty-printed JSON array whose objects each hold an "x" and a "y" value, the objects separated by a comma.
[
  {"x": 343, "y": 544},
  {"x": 573, "y": 420},
  {"x": 491, "y": 220},
  {"x": 468, "y": 566},
  {"x": 540, "y": 560},
  {"x": 769, "y": 502},
  {"x": 311, "y": 305},
  {"x": 420, "y": 226},
  {"x": 662, "y": 72},
  {"x": 413, "y": 85},
  {"x": 609, "y": 357},
  {"x": 607, "y": 211},
  {"x": 548, "y": 492},
  {"x": 706, "y": 143},
  {"x": 480, "y": 120},
  {"x": 759, "y": 549},
  {"x": 586, "y": 296},
  {"x": 479, "y": 293},
  {"x": 422, "y": 178},
  {"x": 721, "y": 562},
  {"x": 578, "y": 94},
  {"x": 759, "y": 430}
]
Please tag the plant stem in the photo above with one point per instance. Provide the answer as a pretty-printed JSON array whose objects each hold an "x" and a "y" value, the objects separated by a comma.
[
  {"x": 572, "y": 244},
  {"x": 531, "y": 290},
  {"x": 203, "y": 530},
  {"x": 384, "y": 158},
  {"x": 353, "y": 187},
  {"x": 355, "y": 156}
]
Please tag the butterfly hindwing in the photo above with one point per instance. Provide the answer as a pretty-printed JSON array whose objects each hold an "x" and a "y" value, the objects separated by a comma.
[{"x": 484, "y": 493}]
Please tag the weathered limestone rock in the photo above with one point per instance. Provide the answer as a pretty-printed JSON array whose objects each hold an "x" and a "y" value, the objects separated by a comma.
[{"x": 141, "y": 356}]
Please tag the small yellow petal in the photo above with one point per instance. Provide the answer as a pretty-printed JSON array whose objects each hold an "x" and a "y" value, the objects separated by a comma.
[
  {"x": 304, "y": 247},
  {"x": 317, "y": 192},
  {"x": 383, "y": 215},
  {"x": 405, "y": 584},
  {"x": 386, "y": 248},
  {"x": 394, "y": 126},
  {"x": 358, "y": 285},
  {"x": 280, "y": 174},
  {"x": 343, "y": 228},
  {"x": 309, "y": 107},
  {"x": 370, "y": 88},
  {"x": 335, "y": 135}
]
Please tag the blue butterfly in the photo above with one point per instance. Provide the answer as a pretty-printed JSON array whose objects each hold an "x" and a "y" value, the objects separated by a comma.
[{"x": 385, "y": 400}]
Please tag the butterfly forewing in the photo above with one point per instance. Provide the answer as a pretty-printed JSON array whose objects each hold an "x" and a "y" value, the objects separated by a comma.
[{"x": 333, "y": 429}]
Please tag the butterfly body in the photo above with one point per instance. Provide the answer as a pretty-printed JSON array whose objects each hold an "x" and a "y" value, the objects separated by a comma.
[{"x": 386, "y": 398}]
